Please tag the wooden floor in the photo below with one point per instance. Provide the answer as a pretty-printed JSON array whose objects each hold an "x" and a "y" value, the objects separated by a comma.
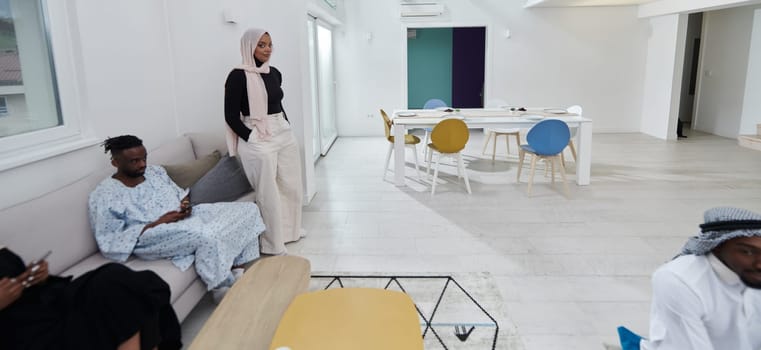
[{"x": 569, "y": 270}]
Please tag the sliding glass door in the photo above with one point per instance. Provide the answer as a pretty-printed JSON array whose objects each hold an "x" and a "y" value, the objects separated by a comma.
[{"x": 322, "y": 84}]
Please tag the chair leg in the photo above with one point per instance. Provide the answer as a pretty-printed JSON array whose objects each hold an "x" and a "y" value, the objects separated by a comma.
[
  {"x": 521, "y": 155},
  {"x": 562, "y": 158},
  {"x": 459, "y": 171},
  {"x": 494, "y": 148},
  {"x": 552, "y": 168},
  {"x": 565, "y": 183},
  {"x": 518, "y": 140},
  {"x": 573, "y": 149},
  {"x": 414, "y": 153},
  {"x": 507, "y": 145},
  {"x": 428, "y": 157},
  {"x": 531, "y": 178},
  {"x": 435, "y": 173},
  {"x": 461, "y": 165},
  {"x": 388, "y": 158},
  {"x": 486, "y": 142},
  {"x": 425, "y": 142}
]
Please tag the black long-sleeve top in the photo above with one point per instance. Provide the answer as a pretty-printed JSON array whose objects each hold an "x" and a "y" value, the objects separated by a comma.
[{"x": 236, "y": 98}]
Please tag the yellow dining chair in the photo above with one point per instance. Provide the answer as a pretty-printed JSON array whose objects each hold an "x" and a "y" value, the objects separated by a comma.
[
  {"x": 448, "y": 138},
  {"x": 409, "y": 141}
]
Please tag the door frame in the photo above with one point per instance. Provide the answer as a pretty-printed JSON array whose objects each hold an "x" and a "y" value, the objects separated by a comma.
[
  {"x": 317, "y": 22},
  {"x": 324, "y": 149}
]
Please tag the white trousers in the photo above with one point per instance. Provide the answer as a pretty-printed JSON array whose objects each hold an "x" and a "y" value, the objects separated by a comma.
[{"x": 273, "y": 167}]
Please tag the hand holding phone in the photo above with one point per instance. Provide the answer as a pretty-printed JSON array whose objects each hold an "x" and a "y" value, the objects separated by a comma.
[
  {"x": 37, "y": 271},
  {"x": 37, "y": 261}
]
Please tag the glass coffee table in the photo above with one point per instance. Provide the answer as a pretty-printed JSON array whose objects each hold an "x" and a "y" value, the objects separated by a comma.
[{"x": 450, "y": 318}]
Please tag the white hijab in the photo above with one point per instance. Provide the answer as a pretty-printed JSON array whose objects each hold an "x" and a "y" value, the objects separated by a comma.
[{"x": 257, "y": 93}]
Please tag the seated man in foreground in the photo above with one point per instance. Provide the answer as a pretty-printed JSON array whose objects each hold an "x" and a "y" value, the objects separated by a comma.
[
  {"x": 709, "y": 297},
  {"x": 139, "y": 210}
]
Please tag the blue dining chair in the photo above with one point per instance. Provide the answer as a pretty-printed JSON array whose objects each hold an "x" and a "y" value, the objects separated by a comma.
[
  {"x": 434, "y": 103},
  {"x": 431, "y": 104},
  {"x": 546, "y": 140}
]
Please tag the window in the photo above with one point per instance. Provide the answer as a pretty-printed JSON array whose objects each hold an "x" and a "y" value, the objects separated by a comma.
[
  {"x": 26, "y": 70},
  {"x": 38, "y": 120},
  {"x": 3, "y": 106}
]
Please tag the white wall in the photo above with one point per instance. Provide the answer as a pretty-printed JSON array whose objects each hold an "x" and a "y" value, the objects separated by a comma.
[
  {"x": 664, "y": 7},
  {"x": 751, "y": 114},
  {"x": 156, "y": 69},
  {"x": 724, "y": 67},
  {"x": 665, "y": 55},
  {"x": 556, "y": 57}
]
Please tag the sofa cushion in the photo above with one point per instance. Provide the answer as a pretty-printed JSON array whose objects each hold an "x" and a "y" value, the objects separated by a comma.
[
  {"x": 56, "y": 221},
  {"x": 207, "y": 142},
  {"x": 248, "y": 197},
  {"x": 225, "y": 182},
  {"x": 187, "y": 173},
  {"x": 90, "y": 263},
  {"x": 177, "y": 280}
]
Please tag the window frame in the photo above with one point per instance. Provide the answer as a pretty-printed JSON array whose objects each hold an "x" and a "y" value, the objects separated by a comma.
[{"x": 75, "y": 132}]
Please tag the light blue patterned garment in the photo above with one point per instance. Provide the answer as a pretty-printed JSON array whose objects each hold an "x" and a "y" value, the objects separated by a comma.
[{"x": 216, "y": 236}]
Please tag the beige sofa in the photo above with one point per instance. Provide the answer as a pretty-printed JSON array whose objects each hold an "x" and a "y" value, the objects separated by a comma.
[{"x": 58, "y": 221}]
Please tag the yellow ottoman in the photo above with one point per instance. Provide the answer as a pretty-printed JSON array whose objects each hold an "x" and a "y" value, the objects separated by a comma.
[{"x": 350, "y": 319}]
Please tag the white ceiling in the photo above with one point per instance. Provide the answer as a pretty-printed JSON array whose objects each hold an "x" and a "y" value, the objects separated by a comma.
[{"x": 572, "y": 3}]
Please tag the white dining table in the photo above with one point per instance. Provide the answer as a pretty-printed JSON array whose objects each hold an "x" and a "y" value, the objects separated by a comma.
[{"x": 405, "y": 119}]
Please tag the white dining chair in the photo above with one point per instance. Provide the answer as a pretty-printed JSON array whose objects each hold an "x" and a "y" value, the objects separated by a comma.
[{"x": 493, "y": 133}]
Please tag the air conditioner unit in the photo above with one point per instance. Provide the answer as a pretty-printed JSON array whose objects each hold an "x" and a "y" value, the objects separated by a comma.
[{"x": 421, "y": 9}]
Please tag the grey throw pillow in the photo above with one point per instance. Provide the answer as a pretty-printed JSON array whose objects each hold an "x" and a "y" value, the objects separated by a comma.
[
  {"x": 186, "y": 174},
  {"x": 225, "y": 182}
]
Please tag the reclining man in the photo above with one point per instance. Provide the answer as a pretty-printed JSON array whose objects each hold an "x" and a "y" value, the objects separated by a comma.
[
  {"x": 139, "y": 210},
  {"x": 709, "y": 297}
]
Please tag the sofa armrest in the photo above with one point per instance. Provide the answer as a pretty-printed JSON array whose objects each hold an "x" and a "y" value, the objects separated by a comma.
[{"x": 251, "y": 311}]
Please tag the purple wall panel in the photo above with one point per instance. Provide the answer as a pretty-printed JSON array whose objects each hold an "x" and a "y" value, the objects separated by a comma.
[{"x": 468, "y": 50}]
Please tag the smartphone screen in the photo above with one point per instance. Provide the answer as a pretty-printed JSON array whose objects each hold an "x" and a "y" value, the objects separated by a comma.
[{"x": 43, "y": 257}]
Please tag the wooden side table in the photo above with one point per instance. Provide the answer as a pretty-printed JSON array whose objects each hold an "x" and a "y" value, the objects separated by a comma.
[
  {"x": 350, "y": 319},
  {"x": 249, "y": 314}
]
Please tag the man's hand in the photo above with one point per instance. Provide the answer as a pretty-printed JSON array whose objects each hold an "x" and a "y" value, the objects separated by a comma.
[
  {"x": 185, "y": 206},
  {"x": 170, "y": 217},
  {"x": 10, "y": 291}
]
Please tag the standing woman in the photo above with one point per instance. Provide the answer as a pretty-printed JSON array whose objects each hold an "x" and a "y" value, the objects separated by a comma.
[{"x": 259, "y": 132}]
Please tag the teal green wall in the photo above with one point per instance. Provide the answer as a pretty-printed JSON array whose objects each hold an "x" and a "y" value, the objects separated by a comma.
[{"x": 429, "y": 66}]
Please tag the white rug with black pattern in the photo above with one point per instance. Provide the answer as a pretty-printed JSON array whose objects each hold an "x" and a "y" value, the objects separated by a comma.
[{"x": 460, "y": 311}]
